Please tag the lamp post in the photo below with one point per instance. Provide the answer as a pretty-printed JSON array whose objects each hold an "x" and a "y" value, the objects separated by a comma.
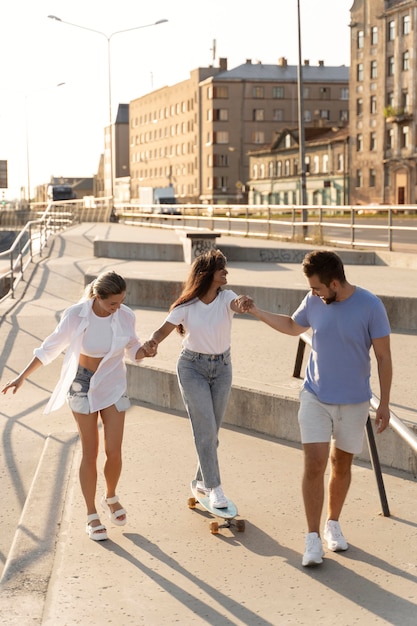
[
  {"x": 108, "y": 39},
  {"x": 301, "y": 137},
  {"x": 27, "y": 136}
]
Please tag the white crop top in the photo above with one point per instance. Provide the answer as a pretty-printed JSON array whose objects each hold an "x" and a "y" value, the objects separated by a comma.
[{"x": 97, "y": 336}]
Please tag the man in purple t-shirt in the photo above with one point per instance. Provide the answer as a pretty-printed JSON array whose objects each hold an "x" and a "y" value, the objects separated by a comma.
[{"x": 346, "y": 321}]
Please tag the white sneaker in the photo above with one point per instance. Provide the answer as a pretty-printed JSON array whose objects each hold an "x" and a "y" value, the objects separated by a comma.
[
  {"x": 217, "y": 498},
  {"x": 200, "y": 486},
  {"x": 314, "y": 552},
  {"x": 334, "y": 536}
]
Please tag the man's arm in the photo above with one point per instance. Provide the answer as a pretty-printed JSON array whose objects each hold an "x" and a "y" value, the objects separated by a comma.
[
  {"x": 383, "y": 356},
  {"x": 283, "y": 323}
]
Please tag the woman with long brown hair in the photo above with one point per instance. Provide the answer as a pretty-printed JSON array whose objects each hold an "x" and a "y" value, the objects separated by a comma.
[{"x": 202, "y": 315}]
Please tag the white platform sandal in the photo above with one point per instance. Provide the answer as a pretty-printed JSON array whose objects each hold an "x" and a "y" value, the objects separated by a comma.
[
  {"x": 96, "y": 533},
  {"x": 114, "y": 515}
]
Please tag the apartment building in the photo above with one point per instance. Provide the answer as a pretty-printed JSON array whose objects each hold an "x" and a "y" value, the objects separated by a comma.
[
  {"x": 383, "y": 103},
  {"x": 197, "y": 135},
  {"x": 275, "y": 176}
]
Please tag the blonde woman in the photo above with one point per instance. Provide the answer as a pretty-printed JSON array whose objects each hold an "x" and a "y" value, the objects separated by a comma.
[{"x": 96, "y": 334}]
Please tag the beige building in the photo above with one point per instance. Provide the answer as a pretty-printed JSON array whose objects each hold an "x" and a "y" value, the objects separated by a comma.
[
  {"x": 275, "y": 176},
  {"x": 383, "y": 104},
  {"x": 197, "y": 134}
]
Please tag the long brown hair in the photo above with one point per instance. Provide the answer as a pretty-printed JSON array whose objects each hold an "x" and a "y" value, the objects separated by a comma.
[{"x": 200, "y": 279}]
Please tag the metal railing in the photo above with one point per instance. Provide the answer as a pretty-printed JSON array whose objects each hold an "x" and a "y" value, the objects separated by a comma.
[
  {"x": 33, "y": 235},
  {"x": 350, "y": 226},
  {"x": 396, "y": 424}
]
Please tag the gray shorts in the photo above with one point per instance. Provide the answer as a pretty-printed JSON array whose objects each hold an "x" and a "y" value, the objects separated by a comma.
[
  {"x": 344, "y": 423},
  {"x": 77, "y": 397}
]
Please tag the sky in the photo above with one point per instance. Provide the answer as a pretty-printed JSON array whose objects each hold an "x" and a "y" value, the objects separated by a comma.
[{"x": 54, "y": 80}]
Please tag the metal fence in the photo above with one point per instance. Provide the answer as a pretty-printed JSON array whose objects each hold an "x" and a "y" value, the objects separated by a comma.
[
  {"x": 383, "y": 227},
  {"x": 29, "y": 229}
]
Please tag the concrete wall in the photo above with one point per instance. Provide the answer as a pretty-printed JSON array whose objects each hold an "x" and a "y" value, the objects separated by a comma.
[{"x": 260, "y": 412}]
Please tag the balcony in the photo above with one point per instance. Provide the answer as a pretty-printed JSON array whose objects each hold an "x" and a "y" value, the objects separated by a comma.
[{"x": 397, "y": 116}]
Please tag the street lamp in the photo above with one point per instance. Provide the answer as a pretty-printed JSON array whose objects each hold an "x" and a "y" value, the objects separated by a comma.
[
  {"x": 27, "y": 135},
  {"x": 301, "y": 136},
  {"x": 108, "y": 39}
]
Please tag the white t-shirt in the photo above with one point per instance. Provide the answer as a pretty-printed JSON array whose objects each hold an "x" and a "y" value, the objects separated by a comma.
[{"x": 207, "y": 326}]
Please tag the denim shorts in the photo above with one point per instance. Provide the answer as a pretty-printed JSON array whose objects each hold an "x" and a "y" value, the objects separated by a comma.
[{"x": 77, "y": 394}]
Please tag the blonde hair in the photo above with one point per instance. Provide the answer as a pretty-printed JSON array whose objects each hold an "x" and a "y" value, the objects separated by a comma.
[{"x": 105, "y": 285}]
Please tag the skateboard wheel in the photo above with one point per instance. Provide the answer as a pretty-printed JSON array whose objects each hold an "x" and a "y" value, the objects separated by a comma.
[
  {"x": 191, "y": 503},
  {"x": 214, "y": 528},
  {"x": 240, "y": 525}
]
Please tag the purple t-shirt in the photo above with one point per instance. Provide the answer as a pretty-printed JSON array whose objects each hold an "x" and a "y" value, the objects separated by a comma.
[{"x": 339, "y": 367}]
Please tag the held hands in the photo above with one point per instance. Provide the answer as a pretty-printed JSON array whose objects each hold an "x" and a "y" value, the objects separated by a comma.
[
  {"x": 244, "y": 304},
  {"x": 150, "y": 348}
]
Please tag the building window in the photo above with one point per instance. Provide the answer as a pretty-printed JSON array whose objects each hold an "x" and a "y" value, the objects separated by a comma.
[
  {"x": 325, "y": 163},
  {"x": 359, "y": 142},
  {"x": 221, "y": 137},
  {"x": 391, "y": 30},
  {"x": 258, "y": 115},
  {"x": 324, "y": 114},
  {"x": 324, "y": 93},
  {"x": 343, "y": 115},
  {"x": 374, "y": 35},
  {"x": 390, "y": 99},
  {"x": 360, "y": 39},
  {"x": 220, "y": 182},
  {"x": 358, "y": 178},
  {"x": 279, "y": 169},
  {"x": 220, "y": 160},
  {"x": 287, "y": 167},
  {"x": 316, "y": 165},
  {"x": 271, "y": 169},
  {"x": 307, "y": 165},
  {"x": 374, "y": 72},
  {"x": 390, "y": 67},
  {"x": 404, "y": 100},
  {"x": 278, "y": 115},
  {"x": 406, "y": 61},
  {"x": 359, "y": 72},
  {"x": 406, "y": 25},
  {"x": 405, "y": 137},
  {"x": 306, "y": 92},
  {"x": 262, "y": 170},
  {"x": 390, "y": 139},
  {"x": 344, "y": 93},
  {"x": 340, "y": 162},
  {"x": 278, "y": 93},
  {"x": 258, "y": 136},
  {"x": 220, "y": 92},
  {"x": 307, "y": 115},
  {"x": 372, "y": 141},
  {"x": 359, "y": 107},
  {"x": 372, "y": 105},
  {"x": 372, "y": 178},
  {"x": 257, "y": 92},
  {"x": 287, "y": 141},
  {"x": 220, "y": 115}
]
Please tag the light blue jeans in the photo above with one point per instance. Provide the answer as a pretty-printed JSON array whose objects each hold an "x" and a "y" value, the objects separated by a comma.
[{"x": 205, "y": 381}]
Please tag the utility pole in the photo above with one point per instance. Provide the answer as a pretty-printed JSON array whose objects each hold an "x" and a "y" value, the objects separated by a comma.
[{"x": 301, "y": 137}]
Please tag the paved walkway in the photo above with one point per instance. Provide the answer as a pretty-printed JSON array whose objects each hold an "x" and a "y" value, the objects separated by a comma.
[{"x": 165, "y": 567}]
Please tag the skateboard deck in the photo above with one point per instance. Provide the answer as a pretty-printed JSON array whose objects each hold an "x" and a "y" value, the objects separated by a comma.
[{"x": 228, "y": 514}]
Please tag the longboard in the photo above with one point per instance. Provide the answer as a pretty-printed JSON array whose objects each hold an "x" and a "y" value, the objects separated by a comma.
[{"x": 228, "y": 514}]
